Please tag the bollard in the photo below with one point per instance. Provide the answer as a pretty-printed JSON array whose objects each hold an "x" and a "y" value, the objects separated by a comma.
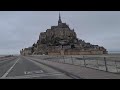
[{"x": 105, "y": 64}]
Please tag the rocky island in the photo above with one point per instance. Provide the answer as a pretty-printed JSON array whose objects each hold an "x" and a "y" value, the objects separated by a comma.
[{"x": 61, "y": 40}]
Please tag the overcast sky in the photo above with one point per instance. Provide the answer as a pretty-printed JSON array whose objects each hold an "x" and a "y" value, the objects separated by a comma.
[{"x": 20, "y": 29}]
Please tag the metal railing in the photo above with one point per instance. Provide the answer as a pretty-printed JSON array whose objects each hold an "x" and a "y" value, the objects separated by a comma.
[{"x": 108, "y": 64}]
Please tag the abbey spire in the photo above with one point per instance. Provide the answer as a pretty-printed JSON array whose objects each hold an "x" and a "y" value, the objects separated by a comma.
[{"x": 59, "y": 21}]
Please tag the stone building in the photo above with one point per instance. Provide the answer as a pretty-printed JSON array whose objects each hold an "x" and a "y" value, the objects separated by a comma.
[
  {"x": 26, "y": 51},
  {"x": 61, "y": 40}
]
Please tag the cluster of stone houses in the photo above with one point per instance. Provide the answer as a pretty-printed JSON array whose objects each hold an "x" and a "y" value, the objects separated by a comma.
[{"x": 61, "y": 40}]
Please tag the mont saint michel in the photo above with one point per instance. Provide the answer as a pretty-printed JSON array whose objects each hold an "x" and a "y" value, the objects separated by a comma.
[{"x": 62, "y": 40}]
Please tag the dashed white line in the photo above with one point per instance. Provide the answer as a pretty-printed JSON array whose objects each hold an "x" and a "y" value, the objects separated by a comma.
[{"x": 10, "y": 68}]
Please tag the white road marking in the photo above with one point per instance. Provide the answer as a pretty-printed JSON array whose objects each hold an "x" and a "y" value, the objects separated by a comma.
[
  {"x": 35, "y": 75},
  {"x": 33, "y": 72},
  {"x": 10, "y": 69}
]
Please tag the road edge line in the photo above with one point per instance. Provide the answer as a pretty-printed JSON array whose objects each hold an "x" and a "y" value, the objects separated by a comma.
[{"x": 10, "y": 69}]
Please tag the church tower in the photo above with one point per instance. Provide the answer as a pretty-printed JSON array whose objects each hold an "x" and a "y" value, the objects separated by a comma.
[{"x": 59, "y": 21}]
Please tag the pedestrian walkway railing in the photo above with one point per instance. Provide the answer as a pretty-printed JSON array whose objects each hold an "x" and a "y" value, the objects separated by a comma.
[{"x": 108, "y": 64}]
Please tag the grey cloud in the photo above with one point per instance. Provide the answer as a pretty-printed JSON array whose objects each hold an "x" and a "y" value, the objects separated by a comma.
[{"x": 20, "y": 29}]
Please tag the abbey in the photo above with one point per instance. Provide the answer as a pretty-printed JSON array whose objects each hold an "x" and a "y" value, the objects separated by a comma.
[{"x": 61, "y": 40}]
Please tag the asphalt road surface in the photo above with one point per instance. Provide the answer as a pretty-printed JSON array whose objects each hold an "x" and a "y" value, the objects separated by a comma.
[{"x": 24, "y": 68}]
